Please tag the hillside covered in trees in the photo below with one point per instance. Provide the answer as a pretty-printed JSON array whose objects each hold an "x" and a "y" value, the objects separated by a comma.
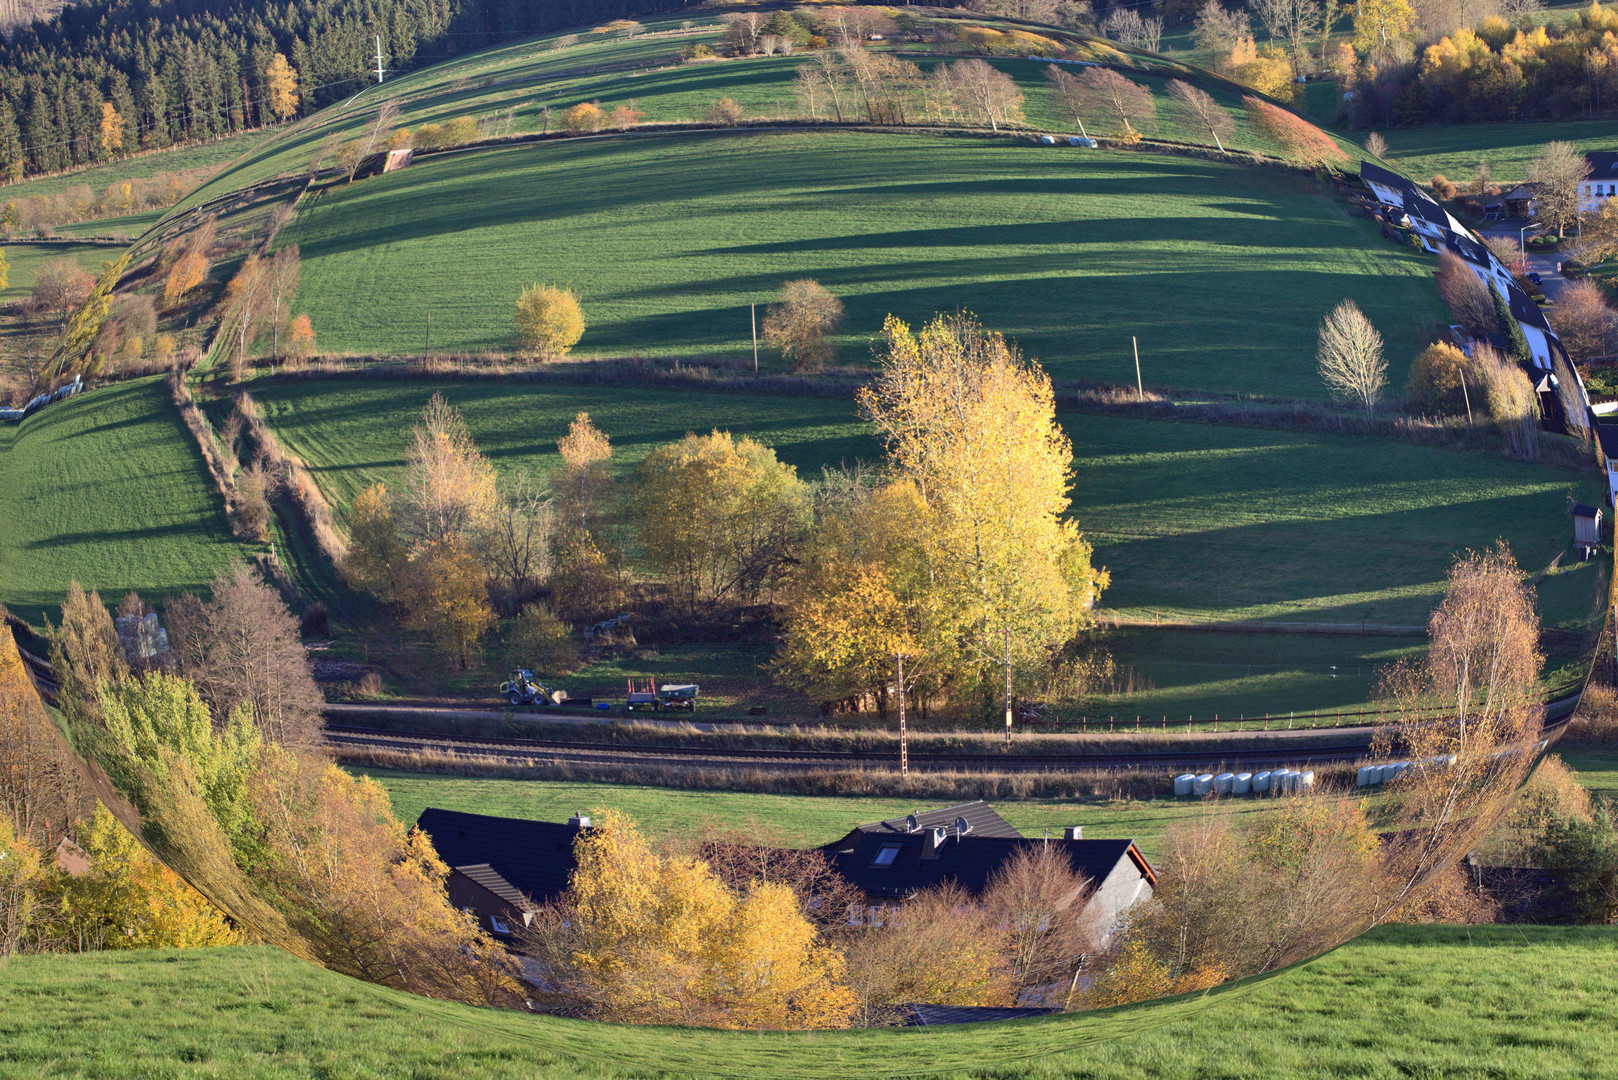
[{"x": 108, "y": 77}]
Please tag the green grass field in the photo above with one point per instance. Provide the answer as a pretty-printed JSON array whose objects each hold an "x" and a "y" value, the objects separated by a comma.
[
  {"x": 1211, "y": 522},
  {"x": 1173, "y": 510},
  {"x": 178, "y": 159},
  {"x": 1529, "y": 1003},
  {"x": 1597, "y": 766},
  {"x": 668, "y": 239},
  {"x": 25, "y": 260},
  {"x": 1342, "y": 529},
  {"x": 106, "y": 489},
  {"x": 549, "y": 71},
  {"x": 1455, "y": 151},
  {"x": 798, "y": 820}
]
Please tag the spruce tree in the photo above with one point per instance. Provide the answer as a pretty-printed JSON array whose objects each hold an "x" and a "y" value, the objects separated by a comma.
[{"x": 1511, "y": 329}]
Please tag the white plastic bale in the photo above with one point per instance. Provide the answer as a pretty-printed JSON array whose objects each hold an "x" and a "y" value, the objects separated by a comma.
[
  {"x": 1362, "y": 778},
  {"x": 1203, "y": 784},
  {"x": 1306, "y": 780},
  {"x": 1223, "y": 782},
  {"x": 1373, "y": 774},
  {"x": 1261, "y": 781},
  {"x": 1182, "y": 783},
  {"x": 1242, "y": 784}
]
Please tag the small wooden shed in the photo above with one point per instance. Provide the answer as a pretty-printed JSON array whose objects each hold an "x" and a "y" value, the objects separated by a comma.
[{"x": 1586, "y": 528}]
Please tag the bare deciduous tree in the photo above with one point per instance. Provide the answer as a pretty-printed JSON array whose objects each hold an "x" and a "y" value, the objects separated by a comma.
[
  {"x": 1586, "y": 324},
  {"x": 1218, "y": 29},
  {"x": 1204, "y": 110},
  {"x": 1037, "y": 899},
  {"x": 1126, "y": 26},
  {"x": 516, "y": 540},
  {"x": 1350, "y": 357},
  {"x": 41, "y": 792},
  {"x": 1376, "y": 145},
  {"x": 1556, "y": 174},
  {"x": 243, "y": 648},
  {"x": 1465, "y": 715},
  {"x": 1468, "y": 299},
  {"x": 1104, "y": 90},
  {"x": 1291, "y": 21},
  {"x": 799, "y": 323},
  {"x": 983, "y": 91}
]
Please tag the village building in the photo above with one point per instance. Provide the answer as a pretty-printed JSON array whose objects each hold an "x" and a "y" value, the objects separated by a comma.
[
  {"x": 1602, "y": 183},
  {"x": 503, "y": 869}
]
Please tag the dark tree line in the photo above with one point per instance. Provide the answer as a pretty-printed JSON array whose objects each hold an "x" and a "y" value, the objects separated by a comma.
[{"x": 189, "y": 70}]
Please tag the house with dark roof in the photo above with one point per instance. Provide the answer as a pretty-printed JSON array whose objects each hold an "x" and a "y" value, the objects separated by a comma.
[
  {"x": 1602, "y": 183},
  {"x": 893, "y": 860},
  {"x": 502, "y": 869}
]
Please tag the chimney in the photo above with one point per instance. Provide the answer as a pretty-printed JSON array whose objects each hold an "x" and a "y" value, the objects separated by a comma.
[
  {"x": 579, "y": 821},
  {"x": 933, "y": 846},
  {"x": 1073, "y": 832}
]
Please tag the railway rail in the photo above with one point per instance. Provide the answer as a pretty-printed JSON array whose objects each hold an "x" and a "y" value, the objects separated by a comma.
[{"x": 1290, "y": 749}]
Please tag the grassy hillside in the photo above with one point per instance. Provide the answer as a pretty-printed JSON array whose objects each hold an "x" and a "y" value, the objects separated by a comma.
[
  {"x": 1193, "y": 520},
  {"x": 1508, "y": 148},
  {"x": 106, "y": 489},
  {"x": 562, "y": 69},
  {"x": 1434, "y": 1001},
  {"x": 668, "y": 239},
  {"x": 1211, "y": 522},
  {"x": 179, "y": 159}
]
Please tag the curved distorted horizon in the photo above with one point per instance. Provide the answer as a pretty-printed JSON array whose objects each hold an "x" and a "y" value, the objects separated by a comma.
[{"x": 1102, "y": 544}]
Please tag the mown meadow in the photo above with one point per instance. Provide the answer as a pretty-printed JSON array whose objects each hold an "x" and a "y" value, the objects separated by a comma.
[
  {"x": 668, "y": 239},
  {"x": 1173, "y": 509},
  {"x": 1528, "y": 1002},
  {"x": 109, "y": 490}
]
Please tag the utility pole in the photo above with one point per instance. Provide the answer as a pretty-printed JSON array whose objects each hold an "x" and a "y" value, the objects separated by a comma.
[
  {"x": 1467, "y": 398},
  {"x": 1139, "y": 389},
  {"x": 379, "y": 72},
  {"x": 904, "y": 741},
  {"x": 753, "y": 309}
]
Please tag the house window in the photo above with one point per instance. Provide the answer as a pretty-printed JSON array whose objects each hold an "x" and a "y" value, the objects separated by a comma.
[
  {"x": 886, "y": 855},
  {"x": 499, "y": 925}
]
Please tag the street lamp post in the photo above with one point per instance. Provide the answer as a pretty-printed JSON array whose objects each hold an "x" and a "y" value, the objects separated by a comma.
[{"x": 1522, "y": 244}]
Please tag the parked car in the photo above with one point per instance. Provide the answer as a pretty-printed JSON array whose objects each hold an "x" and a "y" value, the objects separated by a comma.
[{"x": 1533, "y": 275}]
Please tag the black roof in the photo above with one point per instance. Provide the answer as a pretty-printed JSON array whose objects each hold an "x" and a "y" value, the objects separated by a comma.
[
  {"x": 1580, "y": 510},
  {"x": 1421, "y": 204},
  {"x": 979, "y": 817},
  {"x": 1385, "y": 177},
  {"x": 969, "y": 861},
  {"x": 529, "y": 858},
  {"x": 1525, "y": 310},
  {"x": 932, "y": 1015},
  {"x": 1469, "y": 249},
  {"x": 1603, "y": 164},
  {"x": 1607, "y": 436}
]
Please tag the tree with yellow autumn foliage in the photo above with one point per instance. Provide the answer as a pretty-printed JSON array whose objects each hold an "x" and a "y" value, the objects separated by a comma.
[
  {"x": 444, "y": 591},
  {"x": 661, "y": 939},
  {"x": 720, "y": 516},
  {"x": 126, "y": 899},
  {"x": 281, "y": 82},
  {"x": 972, "y": 424}
]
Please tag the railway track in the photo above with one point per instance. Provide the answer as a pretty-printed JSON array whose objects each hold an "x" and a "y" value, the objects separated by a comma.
[
  {"x": 1296, "y": 752},
  {"x": 1291, "y": 749}
]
